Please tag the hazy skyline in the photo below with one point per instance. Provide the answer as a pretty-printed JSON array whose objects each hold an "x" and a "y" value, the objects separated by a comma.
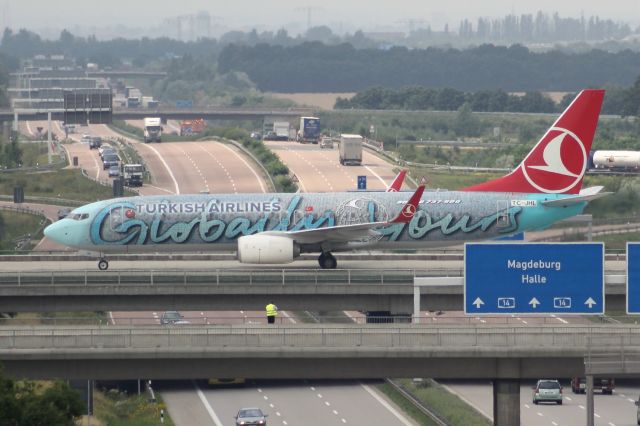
[{"x": 270, "y": 15}]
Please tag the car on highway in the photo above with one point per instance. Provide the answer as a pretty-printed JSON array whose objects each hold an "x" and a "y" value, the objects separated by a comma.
[
  {"x": 250, "y": 416},
  {"x": 85, "y": 138},
  {"x": 256, "y": 135},
  {"x": 104, "y": 147},
  {"x": 605, "y": 385},
  {"x": 95, "y": 142},
  {"x": 547, "y": 391},
  {"x": 172, "y": 317},
  {"x": 114, "y": 171},
  {"x": 326, "y": 143},
  {"x": 110, "y": 159},
  {"x": 227, "y": 382},
  {"x": 270, "y": 136}
]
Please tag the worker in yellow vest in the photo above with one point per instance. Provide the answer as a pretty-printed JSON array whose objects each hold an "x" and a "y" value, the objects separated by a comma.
[{"x": 272, "y": 312}]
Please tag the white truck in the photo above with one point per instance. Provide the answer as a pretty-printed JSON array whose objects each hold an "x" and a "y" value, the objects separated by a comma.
[
  {"x": 350, "y": 150},
  {"x": 281, "y": 129},
  {"x": 152, "y": 129},
  {"x": 133, "y": 174}
]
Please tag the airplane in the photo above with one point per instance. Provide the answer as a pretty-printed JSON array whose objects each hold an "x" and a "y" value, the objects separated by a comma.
[{"x": 275, "y": 228}]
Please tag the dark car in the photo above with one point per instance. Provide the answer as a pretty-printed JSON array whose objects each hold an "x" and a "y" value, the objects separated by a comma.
[
  {"x": 172, "y": 317},
  {"x": 250, "y": 416}
]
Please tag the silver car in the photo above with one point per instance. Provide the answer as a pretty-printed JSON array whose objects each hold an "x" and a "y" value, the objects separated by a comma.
[
  {"x": 250, "y": 416},
  {"x": 547, "y": 391}
]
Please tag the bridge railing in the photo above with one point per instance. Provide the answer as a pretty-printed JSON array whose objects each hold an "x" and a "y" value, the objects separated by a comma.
[
  {"x": 221, "y": 277},
  {"x": 325, "y": 337}
]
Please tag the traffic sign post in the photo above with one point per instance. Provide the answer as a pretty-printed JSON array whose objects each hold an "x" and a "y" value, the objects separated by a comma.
[
  {"x": 362, "y": 183},
  {"x": 545, "y": 278},
  {"x": 633, "y": 278}
]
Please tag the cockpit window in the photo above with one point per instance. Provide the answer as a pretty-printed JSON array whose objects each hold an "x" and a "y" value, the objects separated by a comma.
[{"x": 79, "y": 216}]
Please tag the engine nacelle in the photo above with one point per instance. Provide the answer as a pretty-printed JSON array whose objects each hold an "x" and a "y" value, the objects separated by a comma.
[{"x": 260, "y": 249}]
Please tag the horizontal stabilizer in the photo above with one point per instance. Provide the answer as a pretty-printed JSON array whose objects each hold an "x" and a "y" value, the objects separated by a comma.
[{"x": 586, "y": 195}]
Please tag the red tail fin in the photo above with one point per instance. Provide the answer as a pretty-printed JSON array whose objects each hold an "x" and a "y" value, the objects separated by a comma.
[
  {"x": 409, "y": 209},
  {"x": 557, "y": 163},
  {"x": 397, "y": 182}
]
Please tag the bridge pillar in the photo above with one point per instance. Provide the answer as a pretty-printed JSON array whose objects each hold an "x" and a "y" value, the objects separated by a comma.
[{"x": 506, "y": 402}]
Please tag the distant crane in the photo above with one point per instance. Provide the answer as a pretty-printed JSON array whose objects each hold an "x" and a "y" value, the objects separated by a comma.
[
  {"x": 412, "y": 23},
  {"x": 309, "y": 10}
]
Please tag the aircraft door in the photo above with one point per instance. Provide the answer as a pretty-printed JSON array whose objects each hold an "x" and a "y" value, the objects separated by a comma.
[
  {"x": 116, "y": 217},
  {"x": 503, "y": 218}
]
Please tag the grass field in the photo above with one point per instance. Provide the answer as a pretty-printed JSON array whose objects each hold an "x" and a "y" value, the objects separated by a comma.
[
  {"x": 447, "y": 406},
  {"x": 113, "y": 408},
  {"x": 14, "y": 225},
  {"x": 63, "y": 184}
]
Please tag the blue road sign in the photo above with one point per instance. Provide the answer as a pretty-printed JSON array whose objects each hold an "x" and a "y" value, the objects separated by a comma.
[
  {"x": 527, "y": 278},
  {"x": 362, "y": 183},
  {"x": 633, "y": 278}
]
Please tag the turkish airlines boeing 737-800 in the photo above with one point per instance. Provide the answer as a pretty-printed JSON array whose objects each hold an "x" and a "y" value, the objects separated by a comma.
[{"x": 276, "y": 228}]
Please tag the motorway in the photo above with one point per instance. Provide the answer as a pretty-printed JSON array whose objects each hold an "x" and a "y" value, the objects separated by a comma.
[
  {"x": 195, "y": 167},
  {"x": 617, "y": 409}
]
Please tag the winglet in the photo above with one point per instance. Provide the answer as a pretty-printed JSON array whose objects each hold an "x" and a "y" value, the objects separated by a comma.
[
  {"x": 409, "y": 209},
  {"x": 396, "y": 185}
]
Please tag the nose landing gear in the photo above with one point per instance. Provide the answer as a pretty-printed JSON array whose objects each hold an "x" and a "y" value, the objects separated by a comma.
[
  {"x": 327, "y": 260},
  {"x": 103, "y": 264}
]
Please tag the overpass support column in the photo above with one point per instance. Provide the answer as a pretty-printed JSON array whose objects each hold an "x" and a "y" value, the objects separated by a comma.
[
  {"x": 590, "y": 408},
  {"x": 506, "y": 402}
]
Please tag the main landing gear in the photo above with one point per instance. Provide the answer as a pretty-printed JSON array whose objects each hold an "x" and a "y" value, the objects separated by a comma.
[
  {"x": 103, "y": 264},
  {"x": 327, "y": 260}
]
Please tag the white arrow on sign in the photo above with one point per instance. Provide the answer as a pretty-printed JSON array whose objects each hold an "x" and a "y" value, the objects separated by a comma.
[
  {"x": 590, "y": 302},
  {"x": 534, "y": 303},
  {"x": 478, "y": 302}
]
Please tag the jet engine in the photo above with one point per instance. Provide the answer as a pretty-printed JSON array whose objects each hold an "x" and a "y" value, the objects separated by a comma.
[{"x": 259, "y": 249}]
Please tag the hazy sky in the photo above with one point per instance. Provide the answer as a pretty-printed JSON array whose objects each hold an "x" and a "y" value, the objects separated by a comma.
[{"x": 273, "y": 14}]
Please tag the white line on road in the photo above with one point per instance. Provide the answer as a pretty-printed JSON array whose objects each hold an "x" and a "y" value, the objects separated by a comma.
[
  {"x": 376, "y": 175},
  {"x": 385, "y": 404},
  {"x": 568, "y": 398},
  {"x": 335, "y": 412},
  {"x": 289, "y": 317},
  {"x": 612, "y": 424},
  {"x": 540, "y": 414},
  {"x": 525, "y": 406},
  {"x": 597, "y": 415},
  {"x": 581, "y": 406},
  {"x": 630, "y": 400},
  {"x": 207, "y": 406},
  {"x": 327, "y": 403},
  {"x": 277, "y": 412},
  {"x": 159, "y": 189},
  {"x": 554, "y": 423},
  {"x": 262, "y": 188},
  {"x": 166, "y": 166}
]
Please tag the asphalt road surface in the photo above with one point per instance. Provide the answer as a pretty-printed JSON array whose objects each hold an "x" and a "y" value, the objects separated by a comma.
[{"x": 610, "y": 410}]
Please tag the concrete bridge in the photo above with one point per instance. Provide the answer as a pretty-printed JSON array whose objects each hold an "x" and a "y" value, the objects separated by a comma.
[{"x": 398, "y": 291}]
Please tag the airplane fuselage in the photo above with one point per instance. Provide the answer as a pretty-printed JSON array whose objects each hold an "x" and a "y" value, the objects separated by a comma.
[{"x": 206, "y": 222}]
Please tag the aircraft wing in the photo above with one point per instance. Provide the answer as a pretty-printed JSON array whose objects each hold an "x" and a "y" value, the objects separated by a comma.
[
  {"x": 346, "y": 233},
  {"x": 587, "y": 194}
]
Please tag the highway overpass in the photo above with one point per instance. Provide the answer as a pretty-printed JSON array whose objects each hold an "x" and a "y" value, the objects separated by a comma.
[
  {"x": 168, "y": 113},
  {"x": 391, "y": 290},
  {"x": 310, "y": 351}
]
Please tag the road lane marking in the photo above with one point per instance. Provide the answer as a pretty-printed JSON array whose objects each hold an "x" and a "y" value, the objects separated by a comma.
[
  {"x": 597, "y": 415},
  {"x": 335, "y": 412},
  {"x": 166, "y": 166},
  {"x": 554, "y": 423},
  {"x": 277, "y": 412},
  {"x": 266, "y": 398},
  {"x": 567, "y": 398},
  {"x": 540, "y": 414},
  {"x": 207, "y": 406},
  {"x": 327, "y": 403},
  {"x": 262, "y": 188},
  {"x": 271, "y": 405},
  {"x": 312, "y": 388},
  {"x": 630, "y": 400},
  {"x": 581, "y": 406},
  {"x": 289, "y": 317},
  {"x": 526, "y": 406},
  {"x": 384, "y": 184},
  {"x": 160, "y": 189},
  {"x": 343, "y": 420},
  {"x": 612, "y": 424},
  {"x": 385, "y": 404},
  {"x": 319, "y": 395}
]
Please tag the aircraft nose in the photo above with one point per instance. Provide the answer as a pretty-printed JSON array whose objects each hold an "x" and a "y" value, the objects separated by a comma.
[{"x": 57, "y": 231}]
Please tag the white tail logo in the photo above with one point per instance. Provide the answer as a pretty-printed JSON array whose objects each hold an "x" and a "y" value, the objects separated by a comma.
[{"x": 553, "y": 158}]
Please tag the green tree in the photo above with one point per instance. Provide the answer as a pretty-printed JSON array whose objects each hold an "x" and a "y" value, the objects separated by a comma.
[{"x": 22, "y": 404}]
